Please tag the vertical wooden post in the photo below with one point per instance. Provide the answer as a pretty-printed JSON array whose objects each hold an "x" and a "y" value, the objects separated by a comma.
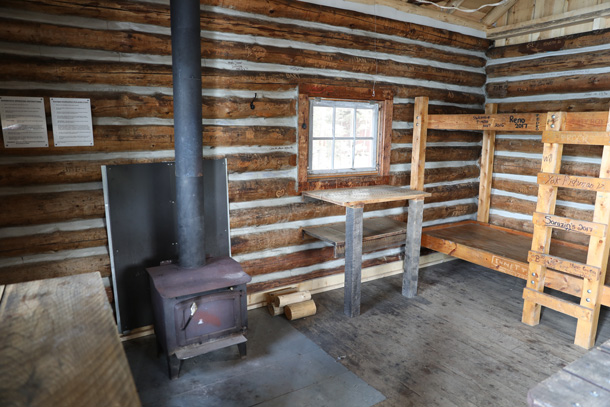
[
  {"x": 418, "y": 151},
  {"x": 411, "y": 263},
  {"x": 597, "y": 256},
  {"x": 541, "y": 239},
  {"x": 416, "y": 206},
  {"x": 353, "y": 260},
  {"x": 487, "y": 163}
]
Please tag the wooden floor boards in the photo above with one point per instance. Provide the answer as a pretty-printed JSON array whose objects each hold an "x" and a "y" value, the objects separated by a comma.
[{"x": 459, "y": 343}]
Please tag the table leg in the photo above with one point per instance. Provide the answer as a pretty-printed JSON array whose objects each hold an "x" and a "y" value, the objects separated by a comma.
[
  {"x": 412, "y": 248},
  {"x": 353, "y": 260}
]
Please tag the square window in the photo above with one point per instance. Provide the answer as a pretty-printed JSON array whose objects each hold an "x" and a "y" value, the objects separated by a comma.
[{"x": 344, "y": 136}]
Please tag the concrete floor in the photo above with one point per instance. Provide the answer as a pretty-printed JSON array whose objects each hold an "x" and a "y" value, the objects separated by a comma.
[
  {"x": 283, "y": 368},
  {"x": 460, "y": 343}
]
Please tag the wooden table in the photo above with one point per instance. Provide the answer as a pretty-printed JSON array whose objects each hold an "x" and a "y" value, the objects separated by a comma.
[
  {"x": 59, "y": 346},
  {"x": 354, "y": 200},
  {"x": 583, "y": 383}
]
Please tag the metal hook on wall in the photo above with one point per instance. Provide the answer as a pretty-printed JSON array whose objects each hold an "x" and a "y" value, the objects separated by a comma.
[{"x": 252, "y": 103}]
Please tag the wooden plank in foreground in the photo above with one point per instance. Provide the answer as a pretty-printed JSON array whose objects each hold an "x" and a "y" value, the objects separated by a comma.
[{"x": 60, "y": 346}]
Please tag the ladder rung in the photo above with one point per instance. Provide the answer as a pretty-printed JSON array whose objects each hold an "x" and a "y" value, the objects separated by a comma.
[
  {"x": 557, "y": 304},
  {"x": 571, "y": 181},
  {"x": 597, "y": 138},
  {"x": 570, "y": 267},
  {"x": 572, "y": 225}
]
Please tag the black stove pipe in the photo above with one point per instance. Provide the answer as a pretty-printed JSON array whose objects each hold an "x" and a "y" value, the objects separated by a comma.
[{"x": 186, "y": 73}]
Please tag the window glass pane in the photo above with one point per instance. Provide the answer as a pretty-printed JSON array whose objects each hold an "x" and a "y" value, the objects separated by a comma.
[
  {"x": 343, "y": 154},
  {"x": 364, "y": 154},
  {"x": 364, "y": 123},
  {"x": 323, "y": 121},
  {"x": 344, "y": 122},
  {"x": 321, "y": 155}
]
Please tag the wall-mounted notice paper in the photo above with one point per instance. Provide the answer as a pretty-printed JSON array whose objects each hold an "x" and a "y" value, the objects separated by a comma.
[
  {"x": 24, "y": 123},
  {"x": 71, "y": 122}
]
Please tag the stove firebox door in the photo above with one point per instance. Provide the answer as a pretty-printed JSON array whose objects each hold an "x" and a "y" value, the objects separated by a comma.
[{"x": 208, "y": 316}]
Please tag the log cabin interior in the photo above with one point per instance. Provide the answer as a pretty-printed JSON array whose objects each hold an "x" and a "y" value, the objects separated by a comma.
[{"x": 414, "y": 146}]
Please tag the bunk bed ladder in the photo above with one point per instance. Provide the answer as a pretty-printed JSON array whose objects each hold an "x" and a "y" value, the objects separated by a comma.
[{"x": 594, "y": 270}]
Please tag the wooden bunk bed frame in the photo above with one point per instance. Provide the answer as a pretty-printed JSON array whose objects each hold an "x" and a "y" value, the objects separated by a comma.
[{"x": 499, "y": 248}]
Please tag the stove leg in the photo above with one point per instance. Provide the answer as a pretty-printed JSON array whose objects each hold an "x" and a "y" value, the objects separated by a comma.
[
  {"x": 242, "y": 350},
  {"x": 173, "y": 364}
]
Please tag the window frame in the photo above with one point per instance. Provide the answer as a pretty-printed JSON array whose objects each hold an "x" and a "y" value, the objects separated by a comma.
[{"x": 374, "y": 176}]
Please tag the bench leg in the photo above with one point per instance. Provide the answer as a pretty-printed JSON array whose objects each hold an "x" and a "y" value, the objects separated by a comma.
[
  {"x": 353, "y": 260},
  {"x": 412, "y": 248}
]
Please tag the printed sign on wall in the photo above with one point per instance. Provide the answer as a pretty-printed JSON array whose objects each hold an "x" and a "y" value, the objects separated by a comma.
[
  {"x": 72, "y": 124},
  {"x": 24, "y": 123}
]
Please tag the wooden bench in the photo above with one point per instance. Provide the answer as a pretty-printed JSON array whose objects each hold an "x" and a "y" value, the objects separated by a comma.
[{"x": 59, "y": 345}]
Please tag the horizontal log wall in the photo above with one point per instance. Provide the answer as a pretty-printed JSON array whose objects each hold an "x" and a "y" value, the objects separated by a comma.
[
  {"x": 561, "y": 74},
  {"x": 118, "y": 54}
]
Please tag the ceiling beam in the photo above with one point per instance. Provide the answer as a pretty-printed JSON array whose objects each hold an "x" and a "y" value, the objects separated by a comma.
[
  {"x": 496, "y": 12},
  {"x": 453, "y": 3},
  {"x": 402, "y": 5},
  {"x": 573, "y": 17}
]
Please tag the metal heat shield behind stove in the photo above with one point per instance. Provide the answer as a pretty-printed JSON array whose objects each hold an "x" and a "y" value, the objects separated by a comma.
[{"x": 141, "y": 224}]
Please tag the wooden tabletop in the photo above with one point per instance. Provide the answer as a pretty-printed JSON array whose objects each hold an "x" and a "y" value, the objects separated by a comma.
[
  {"x": 59, "y": 345},
  {"x": 365, "y": 195}
]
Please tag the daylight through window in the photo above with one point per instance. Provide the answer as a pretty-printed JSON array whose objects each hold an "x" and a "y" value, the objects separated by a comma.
[{"x": 343, "y": 136}]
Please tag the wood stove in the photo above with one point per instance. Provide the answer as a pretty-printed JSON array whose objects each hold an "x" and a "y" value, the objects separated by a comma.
[
  {"x": 197, "y": 307},
  {"x": 198, "y": 310}
]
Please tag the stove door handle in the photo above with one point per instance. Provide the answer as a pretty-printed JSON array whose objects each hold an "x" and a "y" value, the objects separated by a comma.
[{"x": 188, "y": 321}]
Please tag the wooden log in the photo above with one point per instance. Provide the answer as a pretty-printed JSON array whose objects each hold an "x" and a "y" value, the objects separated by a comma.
[
  {"x": 527, "y": 166},
  {"x": 404, "y": 112},
  {"x": 531, "y": 189},
  {"x": 264, "y": 28},
  {"x": 243, "y": 191},
  {"x": 130, "y": 105},
  {"x": 60, "y": 268},
  {"x": 52, "y": 242},
  {"x": 78, "y": 37},
  {"x": 343, "y": 182},
  {"x": 433, "y": 175},
  {"x": 300, "y": 310},
  {"x": 89, "y": 171},
  {"x": 257, "y": 242},
  {"x": 563, "y": 84},
  {"x": 134, "y": 74},
  {"x": 32, "y": 209},
  {"x": 535, "y": 147},
  {"x": 336, "y": 61},
  {"x": 567, "y": 105},
  {"x": 94, "y": 72},
  {"x": 436, "y": 154},
  {"x": 435, "y": 136},
  {"x": 352, "y": 20},
  {"x": 305, "y": 258},
  {"x": 273, "y": 310},
  {"x": 158, "y": 14},
  {"x": 573, "y": 41},
  {"x": 596, "y": 59},
  {"x": 150, "y": 138},
  {"x": 282, "y": 300},
  {"x": 267, "y": 285},
  {"x": 517, "y": 205},
  {"x": 527, "y": 226}
]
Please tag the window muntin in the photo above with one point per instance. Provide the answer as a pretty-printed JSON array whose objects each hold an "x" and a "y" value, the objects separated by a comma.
[{"x": 343, "y": 136}]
